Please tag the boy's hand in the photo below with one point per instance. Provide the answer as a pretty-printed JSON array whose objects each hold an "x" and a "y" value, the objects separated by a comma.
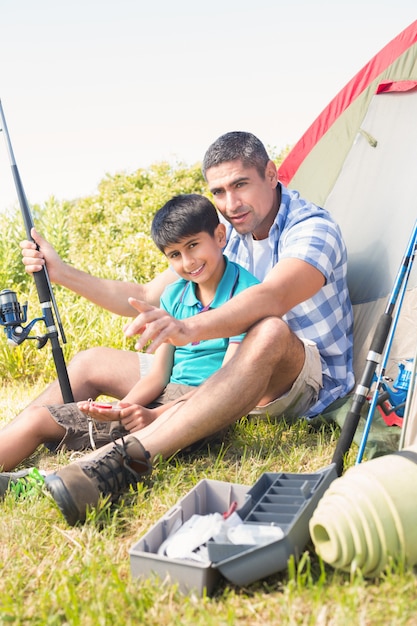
[
  {"x": 133, "y": 417},
  {"x": 156, "y": 327},
  {"x": 98, "y": 412}
]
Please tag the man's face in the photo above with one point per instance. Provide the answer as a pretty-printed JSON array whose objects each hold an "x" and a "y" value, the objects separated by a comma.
[{"x": 248, "y": 201}]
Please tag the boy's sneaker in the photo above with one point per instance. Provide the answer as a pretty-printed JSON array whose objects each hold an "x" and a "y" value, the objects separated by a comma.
[
  {"x": 21, "y": 483},
  {"x": 79, "y": 485}
]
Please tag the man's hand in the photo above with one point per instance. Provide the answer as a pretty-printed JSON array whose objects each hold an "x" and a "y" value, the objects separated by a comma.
[
  {"x": 39, "y": 252},
  {"x": 156, "y": 327}
]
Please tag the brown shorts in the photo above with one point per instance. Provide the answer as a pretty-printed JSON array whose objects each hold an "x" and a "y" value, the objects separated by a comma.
[{"x": 80, "y": 430}]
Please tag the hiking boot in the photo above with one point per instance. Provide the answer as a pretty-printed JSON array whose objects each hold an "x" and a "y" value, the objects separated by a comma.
[
  {"x": 21, "y": 483},
  {"x": 79, "y": 485}
]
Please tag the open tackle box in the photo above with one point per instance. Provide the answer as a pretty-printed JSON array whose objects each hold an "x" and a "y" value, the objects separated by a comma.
[{"x": 282, "y": 500}]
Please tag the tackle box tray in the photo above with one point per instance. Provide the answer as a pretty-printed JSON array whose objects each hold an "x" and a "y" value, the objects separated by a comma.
[
  {"x": 284, "y": 500},
  {"x": 279, "y": 499}
]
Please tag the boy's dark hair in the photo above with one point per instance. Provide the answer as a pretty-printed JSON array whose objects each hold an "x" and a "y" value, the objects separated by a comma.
[
  {"x": 237, "y": 145},
  {"x": 183, "y": 216}
]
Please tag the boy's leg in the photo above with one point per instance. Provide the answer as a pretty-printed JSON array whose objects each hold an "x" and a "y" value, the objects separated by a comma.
[
  {"x": 20, "y": 438},
  {"x": 94, "y": 372}
]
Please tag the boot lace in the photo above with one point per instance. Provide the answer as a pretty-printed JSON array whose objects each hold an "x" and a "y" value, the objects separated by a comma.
[{"x": 117, "y": 470}]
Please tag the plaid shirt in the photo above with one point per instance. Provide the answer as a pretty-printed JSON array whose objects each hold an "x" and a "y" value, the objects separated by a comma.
[{"x": 305, "y": 231}]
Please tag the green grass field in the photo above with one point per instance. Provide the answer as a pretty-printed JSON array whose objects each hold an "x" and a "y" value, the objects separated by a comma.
[{"x": 53, "y": 574}]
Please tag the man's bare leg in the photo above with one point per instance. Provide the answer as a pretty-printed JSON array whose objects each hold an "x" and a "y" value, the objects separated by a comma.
[
  {"x": 21, "y": 437},
  {"x": 264, "y": 368},
  {"x": 232, "y": 392},
  {"x": 269, "y": 348}
]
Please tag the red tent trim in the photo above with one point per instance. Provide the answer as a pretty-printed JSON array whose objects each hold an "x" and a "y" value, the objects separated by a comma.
[
  {"x": 388, "y": 86},
  {"x": 344, "y": 98}
]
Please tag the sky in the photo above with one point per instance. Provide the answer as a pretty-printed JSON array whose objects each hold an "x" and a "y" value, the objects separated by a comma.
[{"x": 96, "y": 87}]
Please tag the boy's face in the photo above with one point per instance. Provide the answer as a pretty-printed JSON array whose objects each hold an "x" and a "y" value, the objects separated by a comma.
[
  {"x": 248, "y": 201},
  {"x": 199, "y": 257}
]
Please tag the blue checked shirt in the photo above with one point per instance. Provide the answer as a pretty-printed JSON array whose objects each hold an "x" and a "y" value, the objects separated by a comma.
[{"x": 305, "y": 231}]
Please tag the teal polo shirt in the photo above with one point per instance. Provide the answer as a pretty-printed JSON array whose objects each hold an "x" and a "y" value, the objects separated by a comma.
[{"x": 195, "y": 362}]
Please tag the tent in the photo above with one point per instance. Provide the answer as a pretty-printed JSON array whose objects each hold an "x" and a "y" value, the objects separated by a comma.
[{"x": 358, "y": 160}]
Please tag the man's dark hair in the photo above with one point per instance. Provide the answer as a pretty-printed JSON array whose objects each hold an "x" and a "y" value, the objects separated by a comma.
[
  {"x": 183, "y": 216},
  {"x": 237, "y": 145}
]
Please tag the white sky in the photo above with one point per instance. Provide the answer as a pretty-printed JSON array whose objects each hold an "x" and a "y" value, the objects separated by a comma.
[{"x": 90, "y": 87}]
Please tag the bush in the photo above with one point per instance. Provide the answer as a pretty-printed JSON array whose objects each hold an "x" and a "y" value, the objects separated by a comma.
[{"x": 107, "y": 235}]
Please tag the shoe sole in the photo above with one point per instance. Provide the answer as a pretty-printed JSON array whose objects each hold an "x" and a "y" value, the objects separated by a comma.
[{"x": 63, "y": 499}]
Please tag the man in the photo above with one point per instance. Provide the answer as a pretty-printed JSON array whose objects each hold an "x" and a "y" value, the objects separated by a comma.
[{"x": 298, "y": 321}]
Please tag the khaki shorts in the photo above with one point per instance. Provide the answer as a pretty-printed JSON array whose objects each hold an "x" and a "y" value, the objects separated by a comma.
[
  {"x": 302, "y": 395},
  {"x": 304, "y": 392},
  {"x": 81, "y": 430}
]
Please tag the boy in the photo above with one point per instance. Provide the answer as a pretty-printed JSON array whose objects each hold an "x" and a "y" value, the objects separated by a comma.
[{"x": 188, "y": 231}]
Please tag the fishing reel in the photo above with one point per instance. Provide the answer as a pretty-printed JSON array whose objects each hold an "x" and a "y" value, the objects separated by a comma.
[{"x": 13, "y": 316}]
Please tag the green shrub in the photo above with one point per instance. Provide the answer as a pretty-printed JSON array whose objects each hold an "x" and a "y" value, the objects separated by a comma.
[{"x": 106, "y": 234}]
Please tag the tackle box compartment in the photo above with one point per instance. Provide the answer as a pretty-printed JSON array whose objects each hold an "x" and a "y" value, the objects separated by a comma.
[{"x": 208, "y": 496}]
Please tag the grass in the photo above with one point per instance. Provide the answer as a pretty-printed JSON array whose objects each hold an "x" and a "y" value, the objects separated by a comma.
[{"x": 56, "y": 575}]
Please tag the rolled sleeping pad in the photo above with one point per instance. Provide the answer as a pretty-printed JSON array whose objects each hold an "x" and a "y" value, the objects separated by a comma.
[{"x": 369, "y": 515}]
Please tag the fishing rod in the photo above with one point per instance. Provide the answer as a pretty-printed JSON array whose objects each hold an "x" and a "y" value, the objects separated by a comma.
[
  {"x": 373, "y": 358},
  {"x": 384, "y": 362},
  {"x": 12, "y": 315}
]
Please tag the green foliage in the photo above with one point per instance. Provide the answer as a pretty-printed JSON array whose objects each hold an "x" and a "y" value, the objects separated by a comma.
[
  {"x": 107, "y": 235},
  {"x": 109, "y": 232},
  {"x": 12, "y": 231},
  {"x": 278, "y": 155}
]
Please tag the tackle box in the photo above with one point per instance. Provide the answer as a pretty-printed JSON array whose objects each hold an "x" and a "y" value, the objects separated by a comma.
[{"x": 277, "y": 499}]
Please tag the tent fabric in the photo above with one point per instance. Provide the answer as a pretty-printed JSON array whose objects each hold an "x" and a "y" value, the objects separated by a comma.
[
  {"x": 411, "y": 431},
  {"x": 374, "y": 200},
  {"x": 358, "y": 160},
  {"x": 314, "y": 163}
]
